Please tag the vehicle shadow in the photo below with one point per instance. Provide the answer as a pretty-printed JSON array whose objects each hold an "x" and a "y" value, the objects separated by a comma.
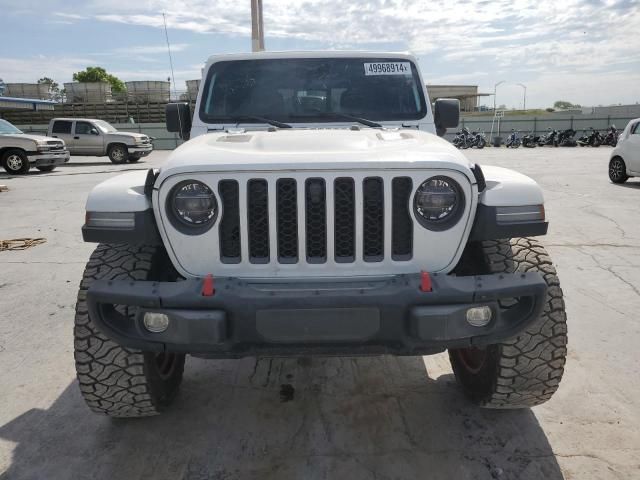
[
  {"x": 629, "y": 184},
  {"x": 356, "y": 418}
]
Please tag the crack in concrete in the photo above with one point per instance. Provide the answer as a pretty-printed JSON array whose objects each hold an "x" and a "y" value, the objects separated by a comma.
[{"x": 612, "y": 272}]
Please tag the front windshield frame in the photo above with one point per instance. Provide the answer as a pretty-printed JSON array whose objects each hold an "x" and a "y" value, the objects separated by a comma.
[
  {"x": 325, "y": 117},
  {"x": 105, "y": 127},
  {"x": 7, "y": 128}
]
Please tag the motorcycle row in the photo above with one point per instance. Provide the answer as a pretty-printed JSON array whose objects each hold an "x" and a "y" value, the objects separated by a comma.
[{"x": 565, "y": 138}]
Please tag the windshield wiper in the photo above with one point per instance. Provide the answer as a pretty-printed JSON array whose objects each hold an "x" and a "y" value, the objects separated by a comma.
[
  {"x": 244, "y": 118},
  {"x": 345, "y": 116}
]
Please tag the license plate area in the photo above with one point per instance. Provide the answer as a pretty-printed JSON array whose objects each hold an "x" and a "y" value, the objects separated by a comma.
[{"x": 318, "y": 325}]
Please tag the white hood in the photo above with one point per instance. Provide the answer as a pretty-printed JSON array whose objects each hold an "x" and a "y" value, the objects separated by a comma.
[{"x": 314, "y": 149}]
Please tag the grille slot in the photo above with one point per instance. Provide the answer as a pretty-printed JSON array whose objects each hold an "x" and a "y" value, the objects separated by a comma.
[
  {"x": 287, "y": 218},
  {"x": 373, "y": 219},
  {"x": 316, "y": 220},
  {"x": 401, "y": 222},
  {"x": 230, "y": 223},
  {"x": 258, "y": 220},
  {"x": 345, "y": 220}
]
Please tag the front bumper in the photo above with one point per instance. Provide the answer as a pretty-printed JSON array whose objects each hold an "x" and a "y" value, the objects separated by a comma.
[
  {"x": 140, "y": 150},
  {"x": 354, "y": 317},
  {"x": 49, "y": 158}
]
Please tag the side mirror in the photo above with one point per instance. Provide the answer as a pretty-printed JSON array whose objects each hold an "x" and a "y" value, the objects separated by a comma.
[
  {"x": 178, "y": 119},
  {"x": 94, "y": 131},
  {"x": 446, "y": 114}
]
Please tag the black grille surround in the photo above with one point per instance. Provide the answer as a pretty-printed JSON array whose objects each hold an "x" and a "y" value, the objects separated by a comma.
[{"x": 315, "y": 219}]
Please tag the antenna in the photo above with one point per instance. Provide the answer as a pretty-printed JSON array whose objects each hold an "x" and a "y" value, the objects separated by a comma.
[
  {"x": 166, "y": 35},
  {"x": 173, "y": 77}
]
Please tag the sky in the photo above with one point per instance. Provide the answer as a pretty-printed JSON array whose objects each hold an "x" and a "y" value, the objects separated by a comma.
[{"x": 585, "y": 52}]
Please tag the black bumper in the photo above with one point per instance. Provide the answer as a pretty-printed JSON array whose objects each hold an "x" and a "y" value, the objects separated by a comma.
[{"x": 373, "y": 316}]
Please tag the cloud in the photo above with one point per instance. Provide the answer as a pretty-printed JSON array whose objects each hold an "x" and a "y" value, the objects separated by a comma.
[
  {"x": 545, "y": 44},
  {"x": 30, "y": 69}
]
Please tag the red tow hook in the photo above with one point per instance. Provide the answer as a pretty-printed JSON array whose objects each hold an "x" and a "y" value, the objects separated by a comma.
[
  {"x": 425, "y": 282},
  {"x": 208, "y": 288}
]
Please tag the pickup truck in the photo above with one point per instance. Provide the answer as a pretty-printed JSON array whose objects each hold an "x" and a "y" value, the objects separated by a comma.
[
  {"x": 316, "y": 210},
  {"x": 20, "y": 151},
  {"x": 92, "y": 137}
]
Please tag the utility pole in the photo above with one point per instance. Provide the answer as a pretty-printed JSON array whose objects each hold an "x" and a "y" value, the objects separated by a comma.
[
  {"x": 495, "y": 87},
  {"x": 524, "y": 99},
  {"x": 257, "y": 27}
]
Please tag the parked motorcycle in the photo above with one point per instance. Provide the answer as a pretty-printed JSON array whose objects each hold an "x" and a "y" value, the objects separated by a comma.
[
  {"x": 549, "y": 138},
  {"x": 465, "y": 139},
  {"x": 567, "y": 138},
  {"x": 611, "y": 137},
  {"x": 530, "y": 140},
  {"x": 458, "y": 141},
  {"x": 591, "y": 138},
  {"x": 479, "y": 140},
  {"x": 513, "y": 140},
  {"x": 462, "y": 139}
]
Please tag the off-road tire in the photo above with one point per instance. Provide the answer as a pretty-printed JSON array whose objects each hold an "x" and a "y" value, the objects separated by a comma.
[
  {"x": 15, "y": 162},
  {"x": 118, "y": 381},
  {"x": 118, "y": 153},
  {"x": 618, "y": 170},
  {"x": 526, "y": 370},
  {"x": 47, "y": 168}
]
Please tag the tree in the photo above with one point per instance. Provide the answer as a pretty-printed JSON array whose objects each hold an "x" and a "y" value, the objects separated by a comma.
[
  {"x": 99, "y": 74},
  {"x": 564, "y": 105},
  {"x": 54, "y": 89}
]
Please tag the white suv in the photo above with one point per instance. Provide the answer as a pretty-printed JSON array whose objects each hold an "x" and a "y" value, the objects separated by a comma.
[
  {"x": 315, "y": 211},
  {"x": 20, "y": 151}
]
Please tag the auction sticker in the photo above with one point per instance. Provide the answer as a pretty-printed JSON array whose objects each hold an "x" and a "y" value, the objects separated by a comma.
[{"x": 387, "y": 68}]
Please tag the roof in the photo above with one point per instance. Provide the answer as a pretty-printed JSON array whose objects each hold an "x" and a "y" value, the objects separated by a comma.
[
  {"x": 311, "y": 54},
  {"x": 15, "y": 103}
]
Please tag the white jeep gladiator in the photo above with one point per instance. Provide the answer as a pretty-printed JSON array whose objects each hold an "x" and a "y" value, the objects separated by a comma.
[
  {"x": 20, "y": 151},
  {"x": 316, "y": 211}
]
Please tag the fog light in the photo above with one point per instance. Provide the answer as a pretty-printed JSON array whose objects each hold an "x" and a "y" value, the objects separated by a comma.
[
  {"x": 478, "y": 316},
  {"x": 157, "y": 322}
]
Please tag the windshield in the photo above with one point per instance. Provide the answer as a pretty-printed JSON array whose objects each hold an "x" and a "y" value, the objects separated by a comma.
[
  {"x": 312, "y": 90},
  {"x": 7, "y": 129},
  {"x": 104, "y": 126}
]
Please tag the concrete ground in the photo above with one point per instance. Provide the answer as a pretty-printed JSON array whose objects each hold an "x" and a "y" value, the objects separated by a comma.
[{"x": 356, "y": 418}]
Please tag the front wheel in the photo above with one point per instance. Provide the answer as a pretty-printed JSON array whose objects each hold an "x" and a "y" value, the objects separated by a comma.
[
  {"x": 118, "y": 154},
  {"x": 118, "y": 381},
  {"x": 526, "y": 370},
  {"x": 15, "y": 162},
  {"x": 617, "y": 170}
]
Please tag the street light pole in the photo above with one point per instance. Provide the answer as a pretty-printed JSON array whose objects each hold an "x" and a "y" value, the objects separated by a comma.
[
  {"x": 495, "y": 87},
  {"x": 524, "y": 99},
  {"x": 257, "y": 27}
]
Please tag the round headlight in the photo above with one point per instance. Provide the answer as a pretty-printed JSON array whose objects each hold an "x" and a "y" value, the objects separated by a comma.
[
  {"x": 439, "y": 203},
  {"x": 192, "y": 204}
]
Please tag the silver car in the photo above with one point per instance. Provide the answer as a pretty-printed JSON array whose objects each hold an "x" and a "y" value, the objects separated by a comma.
[
  {"x": 92, "y": 137},
  {"x": 20, "y": 151}
]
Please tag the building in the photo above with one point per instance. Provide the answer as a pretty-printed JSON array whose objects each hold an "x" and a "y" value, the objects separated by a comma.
[{"x": 467, "y": 94}]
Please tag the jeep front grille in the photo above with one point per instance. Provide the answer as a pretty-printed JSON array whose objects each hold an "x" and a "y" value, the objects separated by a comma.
[{"x": 306, "y": 220}]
